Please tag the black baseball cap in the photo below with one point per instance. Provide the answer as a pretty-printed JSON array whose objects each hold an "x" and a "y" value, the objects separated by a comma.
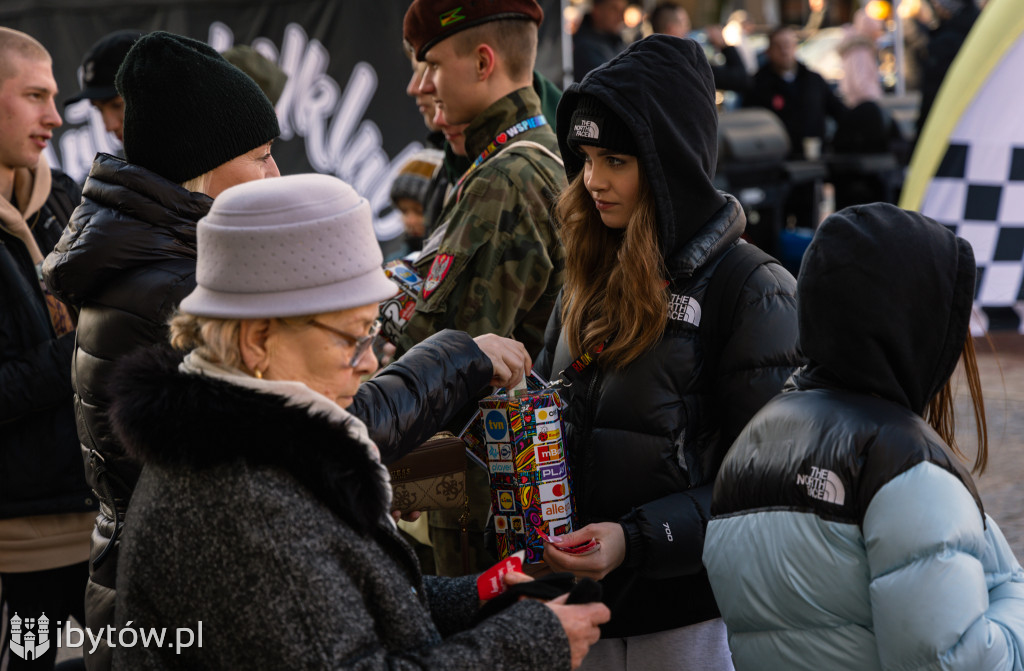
[{"x": 101, "y": 63}]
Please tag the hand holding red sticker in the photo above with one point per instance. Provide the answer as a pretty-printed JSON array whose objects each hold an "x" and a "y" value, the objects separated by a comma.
[
  {"x": 490, "y": 583},
  {"x": 581, "y": 549}
]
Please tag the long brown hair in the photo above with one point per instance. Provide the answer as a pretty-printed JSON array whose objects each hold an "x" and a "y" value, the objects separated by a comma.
[
  {"x": 941, "y": 415},
  {"x": 612, "y": 278}
]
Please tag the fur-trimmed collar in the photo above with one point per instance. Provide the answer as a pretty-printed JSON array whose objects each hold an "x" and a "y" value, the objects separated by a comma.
[{"x": 181, "y": 420}]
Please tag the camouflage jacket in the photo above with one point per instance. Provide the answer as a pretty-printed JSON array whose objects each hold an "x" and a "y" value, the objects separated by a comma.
[{"x": 495, "y": 263}]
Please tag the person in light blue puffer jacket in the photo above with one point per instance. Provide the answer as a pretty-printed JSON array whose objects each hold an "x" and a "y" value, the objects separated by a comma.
[{"x": 846, "y": 534}]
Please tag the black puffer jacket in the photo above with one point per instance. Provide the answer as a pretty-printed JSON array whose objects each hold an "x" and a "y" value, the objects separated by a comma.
[
  {"x": 645, "y": 442},
  {"x": 40, "y": 471},
  {"x": 126, "y": 260}
]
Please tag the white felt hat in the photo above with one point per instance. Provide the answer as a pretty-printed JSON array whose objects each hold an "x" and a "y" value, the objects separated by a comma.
[{"x": 284, "y": 247}]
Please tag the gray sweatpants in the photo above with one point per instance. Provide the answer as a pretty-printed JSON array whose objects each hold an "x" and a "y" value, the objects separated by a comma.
[{"x": 698, "y": 647}]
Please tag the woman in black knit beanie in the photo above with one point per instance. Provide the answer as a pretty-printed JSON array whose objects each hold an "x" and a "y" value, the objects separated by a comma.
[{"x": 194, "y": 125}]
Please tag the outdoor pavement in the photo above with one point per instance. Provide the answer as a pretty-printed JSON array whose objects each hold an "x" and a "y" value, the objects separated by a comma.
[{"x": 1002, "y": 378}]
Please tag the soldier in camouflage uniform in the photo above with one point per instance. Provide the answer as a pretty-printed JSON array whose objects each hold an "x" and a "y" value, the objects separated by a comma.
[{"x": 494, "y": 264}]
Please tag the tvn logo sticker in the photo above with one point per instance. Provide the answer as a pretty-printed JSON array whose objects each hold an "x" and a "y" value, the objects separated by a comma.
[{"x": 496, "y": 426}]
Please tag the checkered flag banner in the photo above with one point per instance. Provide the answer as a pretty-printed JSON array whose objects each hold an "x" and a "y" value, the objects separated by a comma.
[
  {"x": 978, "y": 192},
  {"x": 977, "y": 188}
]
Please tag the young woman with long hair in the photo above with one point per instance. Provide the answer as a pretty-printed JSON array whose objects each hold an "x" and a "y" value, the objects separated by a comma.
[
  {"x": 847, "y": 533},
  {"x": 648, "y": 416}
]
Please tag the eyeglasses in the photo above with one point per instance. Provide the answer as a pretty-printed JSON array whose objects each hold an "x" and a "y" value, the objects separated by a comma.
[{"x": 362, "y": 343}]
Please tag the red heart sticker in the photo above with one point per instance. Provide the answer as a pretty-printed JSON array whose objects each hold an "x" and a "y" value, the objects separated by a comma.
[{"x": 490, "y": 584}]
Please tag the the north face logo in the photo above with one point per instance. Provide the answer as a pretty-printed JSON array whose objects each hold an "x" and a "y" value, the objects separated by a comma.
[
  {"x": 587, "y": 129},
  {"x": 824, "y": 485},
  {"x": 684, "y": 309}
]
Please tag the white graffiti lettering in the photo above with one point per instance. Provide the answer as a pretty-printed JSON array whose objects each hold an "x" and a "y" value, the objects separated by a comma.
[{"x": 338, "y": 139}]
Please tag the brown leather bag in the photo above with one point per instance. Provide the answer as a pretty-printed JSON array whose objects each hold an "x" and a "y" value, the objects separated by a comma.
[{"x": 433, "y": 477}]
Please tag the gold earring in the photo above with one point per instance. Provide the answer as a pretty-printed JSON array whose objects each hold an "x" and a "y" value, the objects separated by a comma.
[{"x": 257, "y": 373}]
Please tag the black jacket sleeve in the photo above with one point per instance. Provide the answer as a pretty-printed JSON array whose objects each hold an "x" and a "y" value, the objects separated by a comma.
[
  {"x": 665, "y": 537},
  {"x": 418, "y": 395}
]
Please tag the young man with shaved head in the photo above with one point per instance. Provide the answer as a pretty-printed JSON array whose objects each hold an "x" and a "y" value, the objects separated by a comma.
[{"x": 46, "y": 507}]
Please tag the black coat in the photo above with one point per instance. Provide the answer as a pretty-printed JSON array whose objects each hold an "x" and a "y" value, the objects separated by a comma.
[
  {"x": 40, "y": 466},
  {"x": 645, "y": 442},
  {"x": 802, "y": 104},
  {"x": 267, "y": 520}
]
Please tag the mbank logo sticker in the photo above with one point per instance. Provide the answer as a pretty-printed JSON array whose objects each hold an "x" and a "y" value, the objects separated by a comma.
[
  {"x": 30, "y": 637},
  {"x": 824, "y": 485}
]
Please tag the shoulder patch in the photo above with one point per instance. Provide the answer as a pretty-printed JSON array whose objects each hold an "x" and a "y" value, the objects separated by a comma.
[{"x": 438, "y": 271}]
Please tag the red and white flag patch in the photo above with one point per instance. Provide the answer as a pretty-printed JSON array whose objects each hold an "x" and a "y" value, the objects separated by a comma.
[{"x": 438, "y": 271}]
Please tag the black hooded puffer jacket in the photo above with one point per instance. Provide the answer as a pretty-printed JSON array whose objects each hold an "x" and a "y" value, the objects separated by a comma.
[{"x": 644, "y": 443}]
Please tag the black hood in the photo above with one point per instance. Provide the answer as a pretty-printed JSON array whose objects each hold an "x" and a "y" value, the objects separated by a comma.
[
  {"x": 662, "y": 88},
  {"x": 884, "y": 302}
]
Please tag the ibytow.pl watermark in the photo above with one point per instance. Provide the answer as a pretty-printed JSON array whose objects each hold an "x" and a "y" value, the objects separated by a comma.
[{"x": 30, "y": 637}]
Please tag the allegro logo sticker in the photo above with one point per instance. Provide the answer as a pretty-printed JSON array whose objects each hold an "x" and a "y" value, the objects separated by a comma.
[{"x": 30, "y": 637}]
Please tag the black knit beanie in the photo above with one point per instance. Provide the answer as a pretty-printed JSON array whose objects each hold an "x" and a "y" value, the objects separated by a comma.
[
  {"x": 594, "y": 124},
  {"x": 187, "y": 110}
]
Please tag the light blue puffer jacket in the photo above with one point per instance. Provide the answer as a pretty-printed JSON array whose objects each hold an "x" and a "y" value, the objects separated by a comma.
[{"x": 845, "y": 533}]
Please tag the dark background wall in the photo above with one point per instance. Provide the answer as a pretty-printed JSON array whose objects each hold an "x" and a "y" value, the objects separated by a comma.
[{"x": 343, "y": 112}]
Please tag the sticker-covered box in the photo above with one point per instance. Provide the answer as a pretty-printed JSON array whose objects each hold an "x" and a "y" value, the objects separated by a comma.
[{"x": 531, "y": 487}]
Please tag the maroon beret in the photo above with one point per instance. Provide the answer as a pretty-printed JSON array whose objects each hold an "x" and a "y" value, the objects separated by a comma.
[{"x": 427, "y": 22}]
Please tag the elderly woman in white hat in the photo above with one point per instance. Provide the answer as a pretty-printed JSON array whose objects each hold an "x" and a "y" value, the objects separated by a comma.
[{"x": 260, "y": 527}]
